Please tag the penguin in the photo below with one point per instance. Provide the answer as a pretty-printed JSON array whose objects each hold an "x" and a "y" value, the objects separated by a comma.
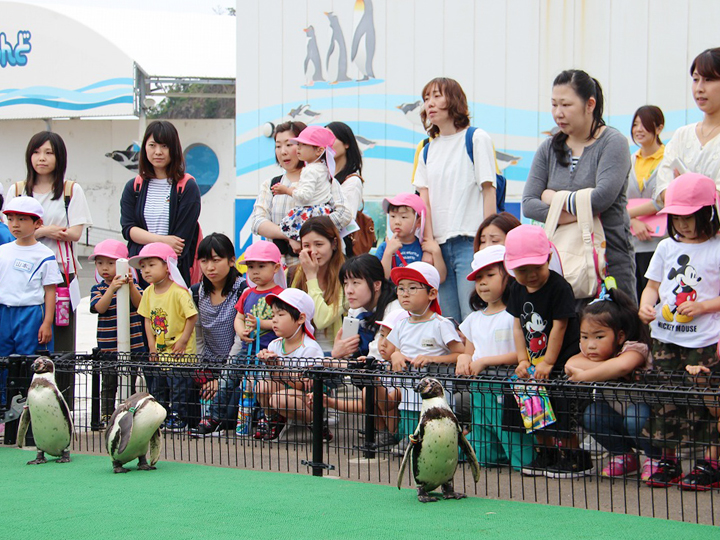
[
  {"x": 506, "y": 160},
  {"x": 338, "y": 72},
  {"x": 363, "y": 43},
  {"x": 127, "y": 158},
  {"x": 364, "y": 144},
  {"x": 132, "y": 428},
  {"x": 303, "y": 113},
  {"x": 313, "y": 63},
  {"x": 434, "y": 445},
  {"x": 412, "y": 112},
  {"x": 49, "y": 413}
]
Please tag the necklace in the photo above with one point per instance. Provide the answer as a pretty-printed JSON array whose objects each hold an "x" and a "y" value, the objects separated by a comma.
[{"x": 702, "y": 132}]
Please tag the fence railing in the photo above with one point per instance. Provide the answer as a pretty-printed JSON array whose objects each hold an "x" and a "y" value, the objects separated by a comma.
[{"x": 352, "y": 420}]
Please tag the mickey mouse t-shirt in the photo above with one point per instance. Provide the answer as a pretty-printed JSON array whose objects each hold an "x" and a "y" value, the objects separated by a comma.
[
  {"x": 537, "y": 311},
  {"x": 686, "y": 272}
]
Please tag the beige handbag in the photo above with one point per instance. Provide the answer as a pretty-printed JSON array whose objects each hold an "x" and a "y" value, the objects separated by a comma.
[{"x": 580, "y": 245}]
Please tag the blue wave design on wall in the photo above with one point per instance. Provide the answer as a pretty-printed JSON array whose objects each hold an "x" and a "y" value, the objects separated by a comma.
[
  {"x": 66, "y": 106},
  {"x": 73, "y": 100}
]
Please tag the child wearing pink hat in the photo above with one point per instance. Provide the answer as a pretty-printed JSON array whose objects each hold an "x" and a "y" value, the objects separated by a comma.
[
  {"x": 681, "y": 304},
  {"x": 546, "y": 333},
  {"x": 405, "y": 243},
  {"x": 103, "y": 301},
  {"x": 170, "y": 315},
  {"x": 312, "y": 193}
]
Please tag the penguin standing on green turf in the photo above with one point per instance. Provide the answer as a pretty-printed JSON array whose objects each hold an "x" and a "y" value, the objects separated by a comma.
[
  {"x": 134, "y": 428},
  {"x": 434, "y": 445},
  {"x": 49, "y": 414}
]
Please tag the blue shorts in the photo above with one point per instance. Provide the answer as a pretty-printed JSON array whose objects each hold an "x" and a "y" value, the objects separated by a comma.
[{"x": 19, "y": 327}]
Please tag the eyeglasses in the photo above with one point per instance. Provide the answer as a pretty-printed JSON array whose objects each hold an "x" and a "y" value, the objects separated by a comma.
[{"x": 410, "y": 290}]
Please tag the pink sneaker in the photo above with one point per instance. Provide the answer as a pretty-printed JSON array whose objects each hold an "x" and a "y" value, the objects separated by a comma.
[
  {"x": 621, "y": 465},
  {"x": 649, "y": 467}
]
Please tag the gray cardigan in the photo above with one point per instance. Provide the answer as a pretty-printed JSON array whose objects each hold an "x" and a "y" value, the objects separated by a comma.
[{"x": 604, "y": 166}]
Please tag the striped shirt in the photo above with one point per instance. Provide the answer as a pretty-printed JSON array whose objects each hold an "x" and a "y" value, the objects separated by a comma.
[
  {"x": 107, "y": 322},
  {"x": 157, "y": 207},
  {"x": 217, "y": 322}
]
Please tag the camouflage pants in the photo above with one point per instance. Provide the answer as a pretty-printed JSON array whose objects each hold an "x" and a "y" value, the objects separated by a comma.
[{"x": 681, "y": 422}]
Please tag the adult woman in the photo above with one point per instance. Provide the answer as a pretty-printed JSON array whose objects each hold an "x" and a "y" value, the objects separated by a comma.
[
  {"x": 458, "y": 192},
  {"x": 66, "y": 212},
  {"x": 697, "y": 145},
  {"x": 493, "y": 230},
  {"x": 145, "y": 215},
  {"x": 585, "y": 153},
  {"x": 348, "y": 167},
  {"x": 269, "y": 209},
  {"x": 647, "y": 124},
  {"x": 318, "y": 274}
]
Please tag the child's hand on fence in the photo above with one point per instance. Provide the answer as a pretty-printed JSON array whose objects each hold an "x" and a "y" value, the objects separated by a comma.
[
  {"x": 696, "y": 370},
  {"x": 573, "y": 372},
  {"x": 421, "y": 361},
  {"x": 45, "y": 333},
  {"x": 522, "y": 369},
  {"x": 399, "y": 361},
  {"x": 542, "y": 371},
  {"x": 179, "y": 347},
  {"x": 462, "y": 367},
  {"x": 267, "y": 356},
  {"x": 477, "y": 367}
]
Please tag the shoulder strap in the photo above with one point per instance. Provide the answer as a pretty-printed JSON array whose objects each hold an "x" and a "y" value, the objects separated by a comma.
[
  {"x": 426, "y": 147},
  {"x": 68, "y": 188},
  {"x": 584, "y": 209},
  {"x": 274, "y": 182},
  {"x": 469, "y": 143},
  {"x": 556, "y": 208},
  {"x": 137, "y": 185},
  {"x": 19, "y": 188},
  {"x": 180, "y": 186}
]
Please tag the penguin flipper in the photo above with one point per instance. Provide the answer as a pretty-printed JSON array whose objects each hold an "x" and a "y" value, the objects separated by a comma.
[
  {"x": 118, "y": 436},
  {"x": 23, "y": 427},
  {"x": 356, "y": 44},
  {"x": 155, "y": 447},
  {"x": 330, "y": 51},
  {"x": 470, "y": 454},
  {"x": 406, "y": 459},
  {"x": 65, "y": 410}
]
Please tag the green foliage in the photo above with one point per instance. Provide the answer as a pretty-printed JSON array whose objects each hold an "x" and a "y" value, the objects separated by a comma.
[{"x": 195, "y": 107}]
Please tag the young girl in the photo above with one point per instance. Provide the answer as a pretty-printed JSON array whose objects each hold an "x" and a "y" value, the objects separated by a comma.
[
  {"x": 613, "y": 344},
  {"x": 684, "y": 282},
  {"x": 312, "y": 194},
  {"x": 170, "y": 316},
  {"x": 216, "y": 296},
  {"x": 489, "y": 333}
]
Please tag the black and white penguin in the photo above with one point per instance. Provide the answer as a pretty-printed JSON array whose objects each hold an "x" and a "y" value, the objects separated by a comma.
[
  {"x": 313, "y": 63},
  {"x": 134, "y": 428},
  {"x": 363, "y": 43},
  {"x": 412, "y": 112},
  {"x": 49, "y": 414},
  {"x": 434, "y": 445},
  {"x": 336, "y": 60}
]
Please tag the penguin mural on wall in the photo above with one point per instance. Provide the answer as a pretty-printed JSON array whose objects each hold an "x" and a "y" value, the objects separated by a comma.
[
  {"x": 363, "y": 43},
  {"x": 313, "y": 63},
  {"x": 336, "y": 60}
]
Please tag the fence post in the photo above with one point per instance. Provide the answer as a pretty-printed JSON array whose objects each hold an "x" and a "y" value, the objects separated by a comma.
[
  {"x": 95, "y": 390},
  {"x": 369, "y": 419},
  {"x": 317, "y": 431}
]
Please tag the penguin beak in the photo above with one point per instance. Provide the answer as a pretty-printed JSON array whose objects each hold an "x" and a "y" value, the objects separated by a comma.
[{"x": 420, "y": 387}]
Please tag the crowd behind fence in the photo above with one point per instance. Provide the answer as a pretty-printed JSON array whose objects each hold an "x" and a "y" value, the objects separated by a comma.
[{"x": 350, "y": 441}]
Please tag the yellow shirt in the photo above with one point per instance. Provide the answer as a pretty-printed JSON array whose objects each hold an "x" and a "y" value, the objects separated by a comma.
[
  {"x": 167, "y": 313},
  {"x": 644, "y": 166}
]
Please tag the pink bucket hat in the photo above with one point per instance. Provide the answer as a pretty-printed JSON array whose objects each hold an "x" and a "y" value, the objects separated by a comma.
[
  {"x": 526, "y": 244},
  {"x": 315, "y": 136},
  {"x": 484, "y": 258},
  {"x": 163, "y": 252},
  {"x": 405, "y": 199},
  {"x": 110, "y": 248},
  {"x": 27, "y": 206},
  {"x": 421, "y": 272},
  {"x": 688, "y": 193},
  {"x": 301, "y": 301},
  {"x": 263, "y": 251}
]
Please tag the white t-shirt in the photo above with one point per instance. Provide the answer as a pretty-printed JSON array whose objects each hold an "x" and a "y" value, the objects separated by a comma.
[
  {"x": 313, "y": 188},
  {"x": 492, "y": 335},
  {"x": 54, "y": 214},
  {"x": 430, "y": 338},
  {"x": 310, "y": 351},
  {"x": 24, "y": 272},
  {"x": 685, "y": 272},
  {"x": 454, "y": 184},
  {"x": 352, "y": 188},
  {"x": 157, "y": 207}
]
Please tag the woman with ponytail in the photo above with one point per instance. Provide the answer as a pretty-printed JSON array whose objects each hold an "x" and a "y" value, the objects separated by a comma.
[{"x": 585, "y": 153}]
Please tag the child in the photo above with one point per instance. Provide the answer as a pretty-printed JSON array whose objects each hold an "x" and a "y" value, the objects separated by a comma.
[
  {"x": 263, "y": 273},
  {"x": 283, "y": 396},
  {"x": 312, "y": 193},
  {"x": 424, "y": 340},
  {"x": 406, "y": 220},
  {"x": 613, "y": 344},
  {"x": 546, "y": 334},
  {"x": 684, "y": 275},
  {"x": 28, "y": 274},
  {"x": 170, "y": 316},
  {"x": 489, "y": 334},
  {"x": 103, "y": 301}
]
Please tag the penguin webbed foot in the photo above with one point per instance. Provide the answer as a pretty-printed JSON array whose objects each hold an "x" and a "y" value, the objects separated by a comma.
[
  {"x": 118, "y": 468},
  {"x": 449, "y": 492},
  {"x": 65, "y": 458},
  {"x": 39, "y": 460},
  {"x": 424, "y": 496},
  {"x": 143, "y": 465}
]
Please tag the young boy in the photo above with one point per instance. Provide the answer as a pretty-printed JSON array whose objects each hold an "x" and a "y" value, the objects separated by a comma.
[
  {"x": 103, "y": 301},
  {"x": 406, "y": 220},
  {"x": 170, "y": 315},
  {"x": 547, "y": 333},
  {"x": 28, "y": 276},
  {"x": 424, "y": 341},
  {"x": 295, "y": 346}
]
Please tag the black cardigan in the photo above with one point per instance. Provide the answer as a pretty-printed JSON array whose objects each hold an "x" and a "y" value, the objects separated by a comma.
[{"x": 184, "y": 213}]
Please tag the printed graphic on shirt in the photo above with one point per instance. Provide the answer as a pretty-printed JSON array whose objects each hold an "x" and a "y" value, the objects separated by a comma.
[
  {"x": 262, "y": 311},
  {"x": 686, "y": 279},
  {"x": 158, "y": 321},
  {"x": 535, "y": 336}
]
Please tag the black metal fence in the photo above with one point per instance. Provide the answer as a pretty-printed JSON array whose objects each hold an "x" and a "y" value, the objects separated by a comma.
[{"x": 353, "y": 422}]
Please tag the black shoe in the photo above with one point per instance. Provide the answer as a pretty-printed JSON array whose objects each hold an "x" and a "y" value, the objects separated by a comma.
[
  {"x": 667, "y": 472},
  {"x": 207, "y": 426},
  {"x": 573, "y": 463},
  {"x": 702, "y": 478},
  {"x": 544, "y": 458}
]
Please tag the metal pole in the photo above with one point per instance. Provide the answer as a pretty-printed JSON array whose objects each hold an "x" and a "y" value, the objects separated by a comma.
[
  {"x": 122, "y": 268},
  {"x": 317, "y": 442}
]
